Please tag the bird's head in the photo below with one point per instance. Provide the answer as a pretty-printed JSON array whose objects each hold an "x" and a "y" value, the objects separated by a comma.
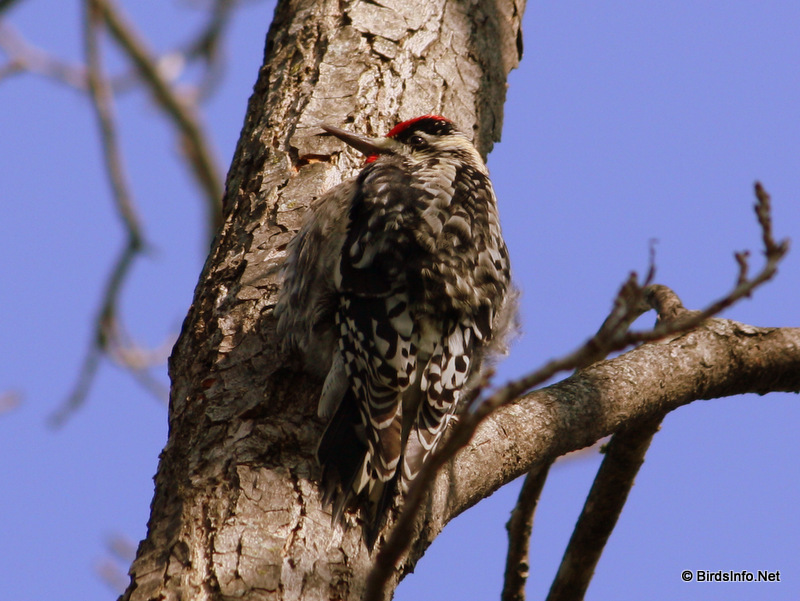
[{"x": 418, "y": 138}]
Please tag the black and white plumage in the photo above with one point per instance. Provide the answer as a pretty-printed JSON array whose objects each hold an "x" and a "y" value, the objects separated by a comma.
[{"x": 395, "y": 290}]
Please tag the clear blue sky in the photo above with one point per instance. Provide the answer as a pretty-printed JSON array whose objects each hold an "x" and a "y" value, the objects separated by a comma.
[{"x": 625, "y": 122}]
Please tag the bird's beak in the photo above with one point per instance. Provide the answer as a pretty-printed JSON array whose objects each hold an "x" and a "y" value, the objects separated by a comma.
[{"x": 364, "y": 144}]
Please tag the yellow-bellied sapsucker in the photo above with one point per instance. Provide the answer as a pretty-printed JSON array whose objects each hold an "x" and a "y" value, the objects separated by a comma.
[{"x": 396, "y": 289}]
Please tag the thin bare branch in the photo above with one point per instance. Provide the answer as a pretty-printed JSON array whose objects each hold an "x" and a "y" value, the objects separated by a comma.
[
  {"x": 103, "y": 105},
  {"x": 624, "y": 457},
  {"x": 121, "y": 547},
  {"x": 104, "y": 326},
  {"x": 612, "y": 336},
  {"x": 774, "y": 252},
  {"x": 763, "y": 209},
  {"x": 120, "y": 551},
  {"x": 138, "y": 361},
  {"x": 112, "y": 575},
  {"x": 520, "y": 526},
  {"x": 9, "y": 400},
  {"x": 25, "y": 57},
  {"x": 197, "y": 147},
  {"x": 109, "y": 338},
  {"x": 6, "y": 4},
  {"x": 207, "y": 45},
  {"x": 76, "y": 398}
]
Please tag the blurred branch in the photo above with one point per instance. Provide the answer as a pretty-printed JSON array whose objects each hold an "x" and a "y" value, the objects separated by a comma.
[
  {"x": 520, "y": 526},
  {"x": 624, "y": 457},
  {"x": 108, "y": 340},
  {"x": 207, "y": 44},
  {"x": 9, "y": 400},
  {"x": 152, "y": 71},
  {"x": 102, "y": 103},
  {"x": 632, "y": 300},
  {"x": 138, "y": 361},
  {"x": 196, "y": 146},
  {"x": 6, "y": 4},
  {"x": 121, "y": 551},
  {"x": 25, "y": 57},
  {"x": 76, "y": 398},
  {"x": 104, "y": 326},
  {"x": 157, "y": 74}
]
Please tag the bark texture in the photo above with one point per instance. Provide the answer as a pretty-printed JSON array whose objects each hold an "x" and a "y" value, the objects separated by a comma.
[
  {"x": 722, "y": 358},
  {"x": 236, "y": 510}
]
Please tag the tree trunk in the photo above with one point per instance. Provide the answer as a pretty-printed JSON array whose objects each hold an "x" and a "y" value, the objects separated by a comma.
[{"x": 236, "y": 511}]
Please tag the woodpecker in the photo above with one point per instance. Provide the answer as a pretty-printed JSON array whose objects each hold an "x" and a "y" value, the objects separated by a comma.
[{"x": 396, "y": 290}]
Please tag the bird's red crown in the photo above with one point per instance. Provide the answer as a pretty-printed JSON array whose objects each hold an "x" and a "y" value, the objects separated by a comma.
[
  {"x": 427, "y": 122},
  {"x": 401, "y": 127}
]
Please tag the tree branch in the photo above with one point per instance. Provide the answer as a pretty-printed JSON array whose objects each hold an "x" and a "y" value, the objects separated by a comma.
[
  {"x": 614, "y": 480},
  {"x": 103, "y": 105},
  {"x": 722, "y": 358},
  {"x": 106, "y": 339},
  {"x": 24, "y": 56},
  {"x": 520, "y": 526},
  {"x": 207, "y": 45},
  {"x": 109, "y": 338},
  {"x": 195, "y": 144},
  {"x": 9, "y": 400}
]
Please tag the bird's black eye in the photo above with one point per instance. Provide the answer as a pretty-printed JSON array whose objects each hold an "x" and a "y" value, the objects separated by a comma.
[{"x": 416, "y": 141}]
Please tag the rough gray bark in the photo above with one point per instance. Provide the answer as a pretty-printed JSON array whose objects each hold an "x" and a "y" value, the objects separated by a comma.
[{"x": 236, "y": 510}]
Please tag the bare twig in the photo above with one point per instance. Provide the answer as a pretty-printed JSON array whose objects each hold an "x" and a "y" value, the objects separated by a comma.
[
  {"x": 612, "y": 336},
  {"x": 9, "y": 400},
  {"x": 624, "y": 457},
  {"x": 104, "y": 325},
  {"x": 25, "y": 57},
  {"x": 138, "y": 361},
  {"x": 103, "y": 104},
  {"x": 109, "y": 336},
  {"x": 520, "y": 526},
  {"x": 197, "y": 147},
  {"x": 109, "y": 340},
  {"x": 207, "y": 45},
  {"x": 6, "y": 4},
  {"x": 76, "y": 398},
  {"x": 120, "y": 551}
]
